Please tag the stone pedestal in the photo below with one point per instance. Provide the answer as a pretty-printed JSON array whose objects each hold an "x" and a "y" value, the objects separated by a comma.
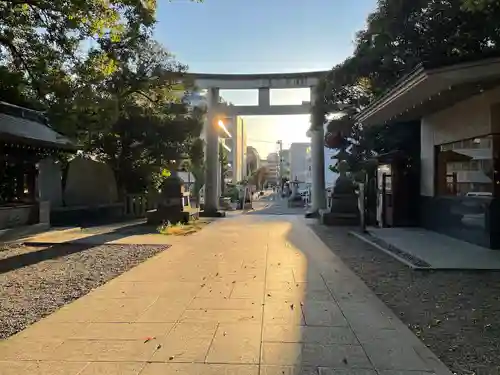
[
  {"x": 225, "y": 204},
  {"x": 50, "y": 182},
  {"x": 170, "y": 207},
  {"x": 245, "y": 199},
  {"x": 44, "y": 212},
  {"x": 295, "y": 200},
  {"x": 344, "y": 209}
]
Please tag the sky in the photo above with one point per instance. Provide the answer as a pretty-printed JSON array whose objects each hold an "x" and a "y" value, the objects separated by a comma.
[{"x": 263, "y": 36}]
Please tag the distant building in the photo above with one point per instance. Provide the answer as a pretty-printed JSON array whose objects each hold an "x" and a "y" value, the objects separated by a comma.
[
  {"x": 272, "y": 167},
  {"x": 330, "y": 177},
  {"x": 298, "y": 156},
  {"x": 253, "y": 160},
  {"x": 273, "y": 157},
  {"x": 308, "y": 179},
  {"x": 285, "y": 163},
  {"x": 233, "y": 136}
]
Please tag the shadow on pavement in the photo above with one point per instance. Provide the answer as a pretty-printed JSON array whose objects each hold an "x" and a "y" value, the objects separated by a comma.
[
  {"x": 53, "y": 250},
  {"x": 305, "y": 328}
]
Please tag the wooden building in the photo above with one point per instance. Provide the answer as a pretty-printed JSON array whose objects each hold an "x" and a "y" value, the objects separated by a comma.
[{"x": 26, "y": 138}]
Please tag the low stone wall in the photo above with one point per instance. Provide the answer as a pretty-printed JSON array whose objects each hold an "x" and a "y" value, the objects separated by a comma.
[
  {"x": 16, "y": 216},
  {"x": 87, "y": 215}
]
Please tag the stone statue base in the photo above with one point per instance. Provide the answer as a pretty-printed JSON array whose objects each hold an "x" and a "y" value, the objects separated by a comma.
[
  {"x": 312, "y": 214},
  {"x": 344, "y": 209},
  {"x": 170, "y": 207},
  {"x": 296, "y": 201},
  {"x": 163, "y": 214},
  {"x": 225, "y": 204}
]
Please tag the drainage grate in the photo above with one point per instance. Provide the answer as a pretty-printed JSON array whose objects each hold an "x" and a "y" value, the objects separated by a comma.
[{"x": 416, "y": 261}]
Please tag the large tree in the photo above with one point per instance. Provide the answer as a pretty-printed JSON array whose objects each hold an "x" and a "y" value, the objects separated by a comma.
[
  {"x": 399, "y": 35},
  {"x": 42, "y": 42},
  {"x": 95, "y": 69}
]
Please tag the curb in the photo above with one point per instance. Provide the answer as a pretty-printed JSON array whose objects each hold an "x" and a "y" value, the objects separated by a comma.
[{"x": 368, "y": 241}]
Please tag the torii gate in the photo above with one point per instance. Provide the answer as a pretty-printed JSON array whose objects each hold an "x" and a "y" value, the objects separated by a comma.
[{"x": 263, "y": 83}]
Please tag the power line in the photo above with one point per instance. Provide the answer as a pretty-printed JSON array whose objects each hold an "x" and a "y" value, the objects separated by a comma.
[{"x": 260, "y": 140}]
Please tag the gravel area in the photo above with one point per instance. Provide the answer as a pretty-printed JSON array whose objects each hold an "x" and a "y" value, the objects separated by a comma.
[
  {"x": 455, "y": 313},
  {"x": 36, "y": 281}
]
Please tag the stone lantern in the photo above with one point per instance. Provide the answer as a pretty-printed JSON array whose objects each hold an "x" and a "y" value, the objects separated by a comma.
[{"x": 170, "y": 207}]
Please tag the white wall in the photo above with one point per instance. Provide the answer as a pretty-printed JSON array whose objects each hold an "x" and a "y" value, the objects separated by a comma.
[
  {"x": 330, "y": 177},
  {"x": 467, "y": 119}
]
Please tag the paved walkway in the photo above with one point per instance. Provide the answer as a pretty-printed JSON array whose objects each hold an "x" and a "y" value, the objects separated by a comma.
[
  {"x": 438, "y": 250},
  {"x": 248, "y": 295}
]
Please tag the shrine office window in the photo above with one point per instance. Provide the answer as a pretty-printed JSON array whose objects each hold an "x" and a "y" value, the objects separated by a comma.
[{"x": 465, "y": 168}]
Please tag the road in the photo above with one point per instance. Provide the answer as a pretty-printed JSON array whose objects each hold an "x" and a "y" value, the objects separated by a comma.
[{"x": 273, "y": 204}]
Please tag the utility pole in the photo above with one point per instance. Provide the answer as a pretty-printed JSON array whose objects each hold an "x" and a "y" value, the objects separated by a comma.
[{"x": 280, "y": 167}]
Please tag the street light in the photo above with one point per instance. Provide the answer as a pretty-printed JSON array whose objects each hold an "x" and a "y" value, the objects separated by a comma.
[{"x": 223, "y": 127}]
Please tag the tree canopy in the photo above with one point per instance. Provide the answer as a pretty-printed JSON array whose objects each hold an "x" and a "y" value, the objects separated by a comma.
[
  {"x": 95, "y": 69},
  {"x": 258, "y": 177},
  {"x": 401, "y": 34}
]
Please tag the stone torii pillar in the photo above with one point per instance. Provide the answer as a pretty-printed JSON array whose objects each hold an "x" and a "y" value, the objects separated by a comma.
[
  {"x": 212, "y": 154},
  {"x": 317, "y": 167}
]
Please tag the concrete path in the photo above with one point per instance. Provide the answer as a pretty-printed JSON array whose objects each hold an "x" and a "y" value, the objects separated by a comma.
[{"x": 248, "y": 295}]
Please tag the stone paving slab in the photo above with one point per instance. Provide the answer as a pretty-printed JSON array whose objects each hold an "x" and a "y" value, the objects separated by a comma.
[
  {"x": 437, "y": 250},
  {"x": 248, "y": 295}
]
